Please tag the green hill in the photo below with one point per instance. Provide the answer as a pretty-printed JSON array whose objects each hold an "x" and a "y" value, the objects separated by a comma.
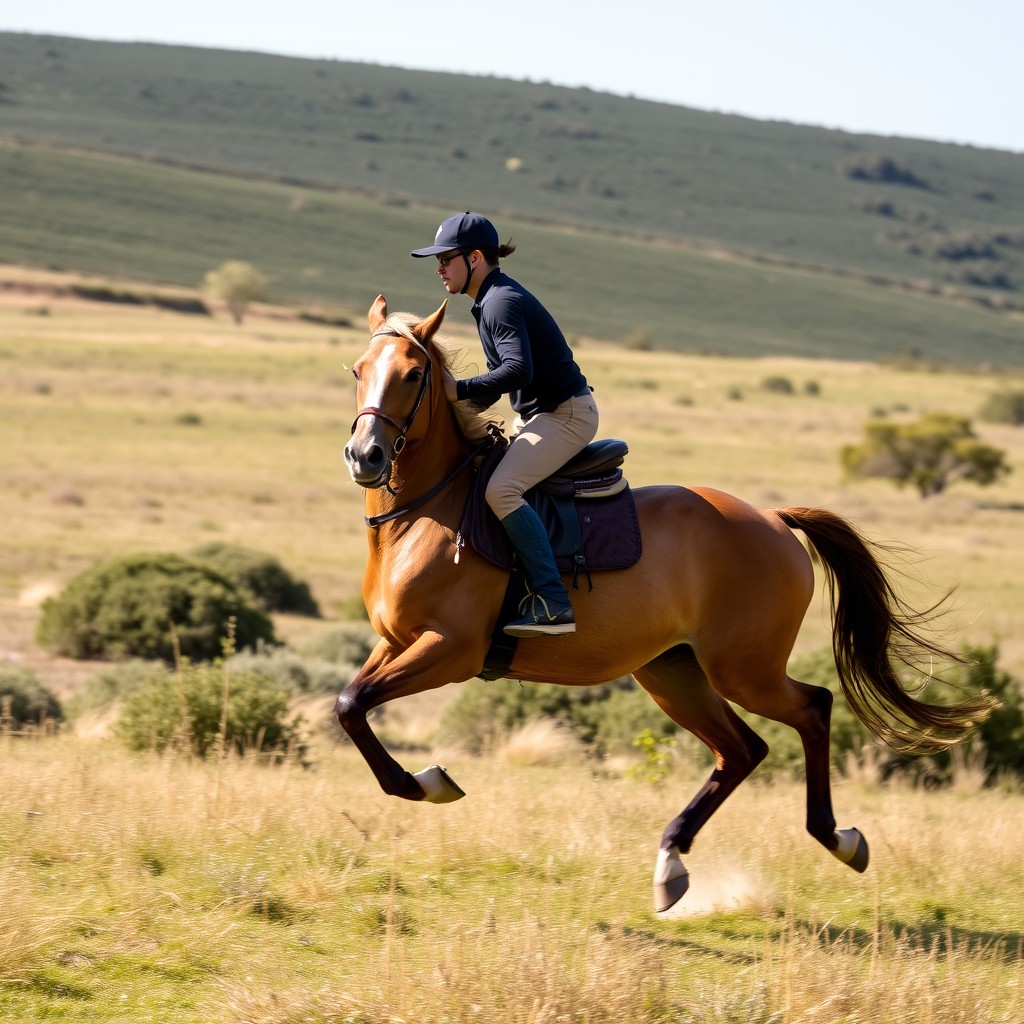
[{"x": 701, "y": 231}]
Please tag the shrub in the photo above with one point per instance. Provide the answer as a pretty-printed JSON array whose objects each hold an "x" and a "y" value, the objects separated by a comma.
[
  {"x": 183, "y": 710},
  {"x": 25, "y": 700},
  {"x": 110, "y": 684},
  {"x": 291, "y": 671},
  {"x": 881, "y": 169},
  {"x": 1003, "y": 407},
  {"x": 930, "y": 454},
  {"x": 621, "y": 712},
  {"x": 139, "y": 605},
  {"x": 607, "y": 717},
  {"x": 348, "y": 644},
  {"x": 239, "y": 284},
  {"x": 777, "y": 385},
  {"x": 656, "y": 752},
  {"x": 1002, "y": 733},
  {"x": 260, "y": 576}
]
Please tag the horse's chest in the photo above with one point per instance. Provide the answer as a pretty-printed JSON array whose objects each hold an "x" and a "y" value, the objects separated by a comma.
[{"x": 423, "y": 557}]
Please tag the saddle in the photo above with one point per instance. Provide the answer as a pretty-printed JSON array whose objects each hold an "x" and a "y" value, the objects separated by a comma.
[{"x": 590, "y": 515}]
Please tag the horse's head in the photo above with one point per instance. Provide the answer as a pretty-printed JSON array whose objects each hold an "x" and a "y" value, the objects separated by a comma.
[{"x": 393, "y": 392}]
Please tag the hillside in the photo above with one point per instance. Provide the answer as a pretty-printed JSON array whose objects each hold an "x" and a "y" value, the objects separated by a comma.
[{"x": 324, "y": 173}]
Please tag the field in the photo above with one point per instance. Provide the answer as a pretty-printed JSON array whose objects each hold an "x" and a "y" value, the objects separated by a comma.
[
  {"x": 127, "y": 218},
  {"x": 139, "y": 888},
  {"x": 703, "y": 232},
  {"x": 159, "y": 890},
  {"x": 522, "y": 150}
]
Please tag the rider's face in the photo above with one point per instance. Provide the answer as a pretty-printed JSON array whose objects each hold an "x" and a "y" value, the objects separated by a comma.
[{"x": 452, "y": 269}]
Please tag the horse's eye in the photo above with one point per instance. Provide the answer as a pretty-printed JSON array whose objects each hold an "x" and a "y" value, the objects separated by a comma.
[
  {"x": 355, "y": 373},
  {"x": 415, "y": 376}
]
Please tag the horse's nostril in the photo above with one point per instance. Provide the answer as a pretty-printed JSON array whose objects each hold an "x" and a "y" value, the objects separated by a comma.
[{"x": 375, "y": 457}]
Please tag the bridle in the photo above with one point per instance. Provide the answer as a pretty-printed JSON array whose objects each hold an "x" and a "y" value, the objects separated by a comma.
[
  {"x": 399, "y": 443},
  {"x": 372, "y": 410}
]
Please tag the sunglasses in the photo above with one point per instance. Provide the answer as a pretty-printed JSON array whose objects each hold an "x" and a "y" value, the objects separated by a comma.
[{"x": 443, "y": 261}]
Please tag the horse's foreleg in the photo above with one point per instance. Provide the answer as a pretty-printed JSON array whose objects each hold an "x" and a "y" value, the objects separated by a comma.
[
  {"x": 681, "y": 690},
  {"x": 386, "y": 675}
]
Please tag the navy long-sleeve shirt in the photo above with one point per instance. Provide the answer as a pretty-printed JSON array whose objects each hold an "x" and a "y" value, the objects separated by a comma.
[{"x": 527, "y": 355}]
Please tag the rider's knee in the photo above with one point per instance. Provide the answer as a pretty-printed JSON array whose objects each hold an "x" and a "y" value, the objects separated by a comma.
[{"x": 503, "y": 496}]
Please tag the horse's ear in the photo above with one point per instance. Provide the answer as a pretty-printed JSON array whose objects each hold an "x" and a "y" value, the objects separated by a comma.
[
  {"x": 426, "y": 329},
  {"x": 378, "y": 313}
]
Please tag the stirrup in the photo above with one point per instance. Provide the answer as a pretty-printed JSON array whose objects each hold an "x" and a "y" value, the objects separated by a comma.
[{"x": 534, "y": 621}]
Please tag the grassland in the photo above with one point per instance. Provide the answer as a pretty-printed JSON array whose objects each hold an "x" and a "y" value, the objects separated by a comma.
[
  {"x": 707, "y": 233},
  {"x": 607, "y": 163},
  {"x": 139, "y": 888},
  {"x": 107, "y": 215}
]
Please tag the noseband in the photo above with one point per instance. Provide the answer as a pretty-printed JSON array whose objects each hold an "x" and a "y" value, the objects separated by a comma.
[{"x": 371, "y": 410}]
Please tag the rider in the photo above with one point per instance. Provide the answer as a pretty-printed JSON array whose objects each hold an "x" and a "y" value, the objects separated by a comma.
[{"x": 528, "y": 359}]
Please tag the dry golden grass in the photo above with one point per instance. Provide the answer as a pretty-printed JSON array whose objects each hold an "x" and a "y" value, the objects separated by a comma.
[{"x": 140, "y": 888}]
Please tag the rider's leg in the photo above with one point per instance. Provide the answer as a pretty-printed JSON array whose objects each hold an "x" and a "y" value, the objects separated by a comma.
[
  {"x": 543, "y": 445},
  {"x": 547, "y": 609}
]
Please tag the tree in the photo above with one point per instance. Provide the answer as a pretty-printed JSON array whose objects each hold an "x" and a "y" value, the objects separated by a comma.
[
  {"x": 238, "y": 284},
  {"x": 930, "y": 454}
]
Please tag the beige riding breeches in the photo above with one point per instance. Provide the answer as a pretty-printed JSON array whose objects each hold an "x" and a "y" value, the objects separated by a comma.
[{"x": 541, "y": 446}]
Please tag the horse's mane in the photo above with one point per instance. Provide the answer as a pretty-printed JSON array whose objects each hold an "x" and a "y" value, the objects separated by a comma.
[{"x": 472, "y": 421}]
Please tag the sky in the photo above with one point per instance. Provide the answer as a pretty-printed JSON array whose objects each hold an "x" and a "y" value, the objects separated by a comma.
[{"x": 948, "y": 70}]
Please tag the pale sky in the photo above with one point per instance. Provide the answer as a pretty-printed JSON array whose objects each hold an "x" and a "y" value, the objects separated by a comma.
[{"x": 949, "y": 70}]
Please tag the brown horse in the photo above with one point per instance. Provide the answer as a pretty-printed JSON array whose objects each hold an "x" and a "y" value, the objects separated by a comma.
[{"x": 707, "y": 618}]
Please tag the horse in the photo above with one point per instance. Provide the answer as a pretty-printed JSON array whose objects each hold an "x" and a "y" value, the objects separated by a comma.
[{"x": 706, "y": 619}]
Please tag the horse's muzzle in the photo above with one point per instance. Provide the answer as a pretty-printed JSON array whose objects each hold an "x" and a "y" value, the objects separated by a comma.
[{"x": 368, "y": 465}]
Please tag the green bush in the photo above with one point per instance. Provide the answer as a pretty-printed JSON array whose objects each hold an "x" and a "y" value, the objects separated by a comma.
[
  {"x": 183, "y": 710},
  {"x": 348, "y": 644},
  {"x": 878, "y": 168},
  {"x": 931, "y": 453},
  {"x": 1003, "y": 407},
  {"x": 1002, "y": 733},
  {"x": 777, "y": 385},
  {"x": 294, "y": 672},
  {"x": 25, "y": 699},
  {"x": 138, "y": 605},
  {"x": 606, "y": 717},
  {"x": 111, "y": 684},
  {"x": 260, "y": 576}
]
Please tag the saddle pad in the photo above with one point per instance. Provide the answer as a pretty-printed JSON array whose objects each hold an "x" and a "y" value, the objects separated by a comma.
[{"x": 602, "y": 533}]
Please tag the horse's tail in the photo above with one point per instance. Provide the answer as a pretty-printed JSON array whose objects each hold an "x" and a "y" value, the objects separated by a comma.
[{"x": 872, "y": 628}]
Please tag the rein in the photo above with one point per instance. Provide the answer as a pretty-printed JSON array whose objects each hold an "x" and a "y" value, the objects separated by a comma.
[{"x": 374, "y": 521}]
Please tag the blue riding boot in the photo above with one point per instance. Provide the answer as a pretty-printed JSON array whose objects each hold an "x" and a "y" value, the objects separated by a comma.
[{"x": 545, "y": 611}]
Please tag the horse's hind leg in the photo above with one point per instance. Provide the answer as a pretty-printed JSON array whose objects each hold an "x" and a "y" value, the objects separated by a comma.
[
  {"x": 808, "y": 710},
  {"x": 679, "y": 686}
]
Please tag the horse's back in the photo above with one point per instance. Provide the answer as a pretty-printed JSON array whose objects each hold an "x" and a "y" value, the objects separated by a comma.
[
  {"x": 715, "y": 573},
  {"x": 715, "y": 523}
]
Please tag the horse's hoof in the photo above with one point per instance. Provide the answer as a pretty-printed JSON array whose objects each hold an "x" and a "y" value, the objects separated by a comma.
[
  {"x": 671, "y": 879},
  {"x": 438, "y": 786},
  {"x": 852, "y": 848}
]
